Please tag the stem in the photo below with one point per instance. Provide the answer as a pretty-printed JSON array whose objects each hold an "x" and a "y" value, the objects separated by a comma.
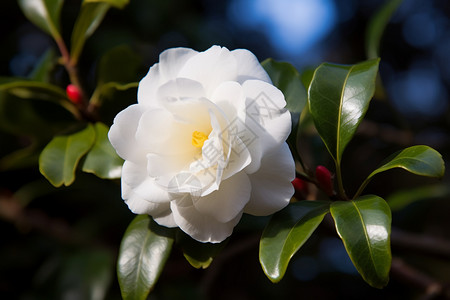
[
  {"x": 362, "y": 187},
  {"x": 339, "y": 181}
]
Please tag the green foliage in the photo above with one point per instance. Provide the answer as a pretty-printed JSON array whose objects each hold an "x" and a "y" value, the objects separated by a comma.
[
  {"x": 102, "y": 160},
  {"x": 364, "y": 226},
  {"x": 59, "y": 159},
  {"x": 45, "y": 14},
  {"x": 143, "y": 253},
  {"x": 120, "y": 65},
  {"x": 45, "y": 67},
  {"x": 377, "y": 25},
  {"x": 419, "y": 160},
  {"x": 339, "y": 97},
  {"x": 199, "y": 255},
  {"x": 286, "y": 232},
  {"x": 402, "y": 198}
]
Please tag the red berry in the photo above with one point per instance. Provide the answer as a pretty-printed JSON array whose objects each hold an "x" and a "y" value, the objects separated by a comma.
[
  {"x": 74, "y": 94},
  {"x": 324, "y": 180},
  {"x": 301, "y": 188}
]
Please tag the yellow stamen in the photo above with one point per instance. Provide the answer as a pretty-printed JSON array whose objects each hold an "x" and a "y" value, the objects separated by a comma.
[{"x": 198, "y": 139}]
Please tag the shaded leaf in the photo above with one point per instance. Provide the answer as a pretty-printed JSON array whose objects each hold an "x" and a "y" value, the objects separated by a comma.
[
  {"x": 102, "y": 160},
  {"x": 286, "y": 232},
  {"x": 119, "y": 65},
  {"x": 59, "y": 159},
  {"x": 89, "y": 18},
  {"x": 144, "y": 250},
  {"x": 91, "y": 15},
  {"x": 44, "y": 14},
  {"x": 377, "y": 25},
  {"x": 199, "y": 255},
  {"x": 364, "y": 225},
  {"x": 339, "y": 97},
  {"x": 44, "y": 67},
  {"x": 419, "y": 160},
  {"x": 400, "y": 199}
]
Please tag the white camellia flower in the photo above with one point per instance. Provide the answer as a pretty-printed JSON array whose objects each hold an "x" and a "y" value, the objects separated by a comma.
[{"x": 205, "y": 143}]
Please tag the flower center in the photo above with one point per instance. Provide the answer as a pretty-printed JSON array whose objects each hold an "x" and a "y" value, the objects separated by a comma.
[{"x": 198, "y": 139}]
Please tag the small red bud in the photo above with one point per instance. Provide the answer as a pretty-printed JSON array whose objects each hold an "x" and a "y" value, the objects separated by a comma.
[
  {"x": 324, "y": 180},
  {"x": 301, "y": 188},
  {"x": 74, "y": 94}
]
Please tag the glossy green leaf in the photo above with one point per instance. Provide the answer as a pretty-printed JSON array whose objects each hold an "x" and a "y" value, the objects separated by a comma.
[
  {"x": 120, "y": 65},
  {"x": 115, "y": 3},
  {"x": 377, "y": 25},
  {"x": 402, "y": 198},
  {"x": 102, "y": 160},
  {"x": 199, "y": 255},
  {"x": 339, "y": 97},
  {"x": 89, "y": 18},
  {"x": 286, "y": 232},
  {"x": 44, "y": 14},
  {"x": 143, "y": 253},
  {"x": 419, "y": 160},
  {"x": 364, "y": 225},
  {"x": 59, "y": 159}
]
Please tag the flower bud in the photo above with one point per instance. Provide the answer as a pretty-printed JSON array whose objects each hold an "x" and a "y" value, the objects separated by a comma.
[
  {"x": 301, "y": 188},
  {"x": 74, "y": 94},
  {"x": 324, "y": 180}
]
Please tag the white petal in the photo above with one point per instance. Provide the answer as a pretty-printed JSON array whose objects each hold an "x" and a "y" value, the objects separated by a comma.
[
  {"x": 266, "y": 118},
  {"x": 179, "y": 89},
  {"x": 122, "y": 134},
  {"x": 271, "y": 185},
  {"x": 136, "y": 177},
  {"x": 173, "y": 60},
  {"x": 230, "y": 97},
  {"x": 201, "y": 227},
  {"x": 170, "y": 63},
  {"x": 249, "y": 66},
  {"x": 228, "y": 201},
  {"x": 211, "y": 68}
]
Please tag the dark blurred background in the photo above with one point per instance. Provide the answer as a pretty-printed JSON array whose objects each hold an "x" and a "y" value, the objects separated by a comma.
[{"x": 65, "y": 245}]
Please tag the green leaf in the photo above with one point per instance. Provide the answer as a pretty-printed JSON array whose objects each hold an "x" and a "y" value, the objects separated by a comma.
[
  {"x": 44, "y": 67},
  {"x": 44, "y": 14},
  {"x": 91, "y": 15},
  {"x": 32, "y": 90},
  {"x": 286, "y": 232},
  {"x": 89, "y": 18},
  {"x": 419, "y": 160},
  {"x": 60, "y": 157},
  {"x": 102, "y": 160},
  {"x": 120, "y": 65},
  {"x": 199, "y": 255},
  {"x": 377, "y": 25},
  {"x": 143, "y": 253},
  {"x": 116, "y": 3},
  {"x": 364, "y": 225},
  {"x": 400, "y": 199},
  {"x": 285, "y": 77},
  {"x": 339, "y": 97}
]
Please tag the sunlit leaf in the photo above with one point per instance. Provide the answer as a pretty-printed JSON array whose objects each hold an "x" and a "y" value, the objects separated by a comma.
[
  {"x": 286, "y": 232},
  {"x": 420, "y": 160},
  {"x": 44, "y": 14},
  {"x": 339, "y": 97},
  {"x": 102, "y": 160},
  {"x": 143, "y": 253},
  {"x": 59, "y": 159},
  {"x": 364, "y": 225},
  {"x": 377, "y": 25},
  {"x": 199, "y": 255}
]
